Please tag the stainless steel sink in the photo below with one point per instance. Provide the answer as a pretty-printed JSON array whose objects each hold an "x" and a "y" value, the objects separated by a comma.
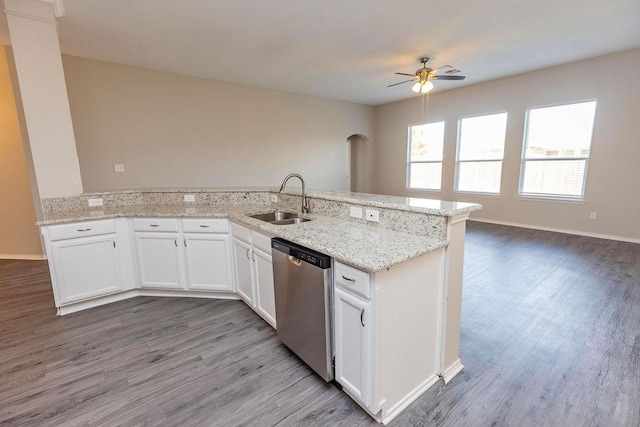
[
  {"x": 296, "y": 220},
  {"x": 280, "y": 218}
]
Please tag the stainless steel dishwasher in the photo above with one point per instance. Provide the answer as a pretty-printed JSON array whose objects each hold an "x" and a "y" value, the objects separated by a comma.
[{"x": 303, "y": 293}]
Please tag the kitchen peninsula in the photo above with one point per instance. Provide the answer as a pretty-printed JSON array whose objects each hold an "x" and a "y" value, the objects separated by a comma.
[{"x": 397, "y": 281}]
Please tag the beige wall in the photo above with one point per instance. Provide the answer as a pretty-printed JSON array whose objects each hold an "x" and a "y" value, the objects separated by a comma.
[
  {"x": 19, "y": 236},
  {"x": 612, "y": 184},
  {"x": 173, "y": 131}
]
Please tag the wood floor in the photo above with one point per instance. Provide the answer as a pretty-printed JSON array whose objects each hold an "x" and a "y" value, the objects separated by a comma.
[{"x": 550, "y": 337}]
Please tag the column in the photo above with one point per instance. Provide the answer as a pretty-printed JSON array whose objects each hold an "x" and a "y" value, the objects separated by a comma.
[{"x": 34, "y": 38}]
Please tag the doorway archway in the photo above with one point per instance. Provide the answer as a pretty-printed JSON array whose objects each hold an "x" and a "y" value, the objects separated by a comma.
[{"x": 357, "y": 163}]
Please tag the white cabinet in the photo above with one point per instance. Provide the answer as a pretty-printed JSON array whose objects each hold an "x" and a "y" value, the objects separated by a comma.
[
  {"x": 265, "y": 294},
  {"x": 86, "y": 267},
  {"x": 352, "y": 344},
  {"x": 160, "y": 260},
  {"x": 208, "y": 262},
  {"x": 243, "y": 270},
  {"x": 193, "y": 254},
  {"x": 84, "y": 259},
  {"x": 387, "y": 332},
  {"x": 353, "y": 332},
  {"x": 254, "y": 271}
]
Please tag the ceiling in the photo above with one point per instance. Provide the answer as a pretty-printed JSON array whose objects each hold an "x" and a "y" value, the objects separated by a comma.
[{"x": 345, "y": 50}]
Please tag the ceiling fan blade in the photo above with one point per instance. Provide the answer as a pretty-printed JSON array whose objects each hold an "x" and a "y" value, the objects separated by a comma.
[
  {"x": 406, "y": 81},
  {"x": 448, "y": 77},
  {"x": 405, "y": 74},
  {"x": 441, "y": 67}
]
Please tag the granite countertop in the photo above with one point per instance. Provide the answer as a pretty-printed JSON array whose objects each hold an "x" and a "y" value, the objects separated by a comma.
[
  {"x": 411, "y": 204},
  {"x": 367, "y": 247}
]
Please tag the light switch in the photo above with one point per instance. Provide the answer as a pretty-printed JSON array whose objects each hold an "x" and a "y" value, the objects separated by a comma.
[
  {"x": 96, "y": 202},
  {"x": 355, "y": 212},
  {"x": 118, "y": 167}
]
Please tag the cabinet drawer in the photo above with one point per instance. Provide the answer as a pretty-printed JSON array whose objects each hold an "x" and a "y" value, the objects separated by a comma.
[
  {"x": 352, "y": 280},
  {"x": 240, "y": 232},
  {"x": 81, "y": 229},
  {"x": 205, "y": 225},
  {"x": 261, "y": 241},
  {"x": 155, "y": 224}
]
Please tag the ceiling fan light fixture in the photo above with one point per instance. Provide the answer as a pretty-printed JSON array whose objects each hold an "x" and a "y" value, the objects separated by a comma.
[{"x": 422, "y": 87}]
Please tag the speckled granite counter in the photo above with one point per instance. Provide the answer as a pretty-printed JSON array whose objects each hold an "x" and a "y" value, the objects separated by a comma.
[
  {"x": 363, "y": 246},
  {"x": 408, "y": 227}
]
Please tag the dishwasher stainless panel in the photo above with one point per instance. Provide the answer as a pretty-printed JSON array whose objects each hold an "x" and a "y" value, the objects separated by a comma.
[{"x": 303, "y": 294}]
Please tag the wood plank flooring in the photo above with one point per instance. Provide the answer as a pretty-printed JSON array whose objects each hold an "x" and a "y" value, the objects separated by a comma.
[{"x": 550, "y": 337}]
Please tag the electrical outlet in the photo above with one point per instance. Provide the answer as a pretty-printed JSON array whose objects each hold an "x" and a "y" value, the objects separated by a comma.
[
  {"x": 372, "y": 215},
  {"x": 274, "y": 198},
  {"x": 189, "y": 198},
  {"x": 96, "y": 202},
  {"x": 593, "y": 215},
  {"x": 118, "y": 168},
  {"x": 355, "y": 212}
]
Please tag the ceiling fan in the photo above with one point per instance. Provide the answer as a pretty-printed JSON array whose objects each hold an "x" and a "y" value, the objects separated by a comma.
[{"x": 424, "y": 75}]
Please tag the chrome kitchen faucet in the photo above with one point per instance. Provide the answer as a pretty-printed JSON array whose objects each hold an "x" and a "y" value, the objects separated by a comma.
[{"x": 305, "y": 204}]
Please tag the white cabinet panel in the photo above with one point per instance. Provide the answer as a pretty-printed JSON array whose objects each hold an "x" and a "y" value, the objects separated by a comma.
[
  {"x": 208, "y": 262},
  {"x": 86, "y": 267},
  {"x": 254, "y": 271},
  {"x": 266, "y": 303},
  {"x": 352, "y": 341},
  {"x": 155, "y": 224},
  {"x": 244, "y": 270},
  {"x": 159, "y": 260},
  {"x": 205, "y": 226},
  {"x": 81, "y": 229},
  {"x": 352, "y": 280}
]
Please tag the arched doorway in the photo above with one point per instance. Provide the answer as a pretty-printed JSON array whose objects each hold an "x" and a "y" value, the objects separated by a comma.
[{"x": 357, "y": 163}]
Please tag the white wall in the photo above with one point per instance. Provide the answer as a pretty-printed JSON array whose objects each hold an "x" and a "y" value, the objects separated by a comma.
[
  {"x": 614, "y": 172},
  {"x": 176, "y": 131}
]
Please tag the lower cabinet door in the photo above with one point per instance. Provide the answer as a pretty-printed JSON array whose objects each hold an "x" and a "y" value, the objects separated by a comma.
[
  {"x": 86, "y": 267},
  {"x": 265, "y": 298},
  {"x": 244, "y": 267},
  {"x": 160, "y": 260},
  {"x": 352, "y": 342},
  {"x": 208, "y": 262}
]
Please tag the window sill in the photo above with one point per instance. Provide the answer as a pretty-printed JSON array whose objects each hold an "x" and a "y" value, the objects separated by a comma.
[
  {"x": 478, "y": 193},
  {"x": 423, "y": 190},
  {"x": 579, "y": 201}
]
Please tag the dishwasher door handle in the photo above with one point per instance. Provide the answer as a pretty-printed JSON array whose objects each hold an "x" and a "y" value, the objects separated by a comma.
[{"x": 293, "y": 260}]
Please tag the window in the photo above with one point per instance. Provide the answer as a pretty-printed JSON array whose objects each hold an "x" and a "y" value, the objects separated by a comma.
[
  {"x": 556, "y": 151},
  {"x": 424, "y": 167},
  {"x": 480, "y": 153}
]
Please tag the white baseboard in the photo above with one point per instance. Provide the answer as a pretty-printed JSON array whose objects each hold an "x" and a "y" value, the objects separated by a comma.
[
  {"x": 454, "y": 369},
  {"x": 132, "y": 293},
  {"x": 26, "y": 257},
  {"x": 559, "y": 230}
]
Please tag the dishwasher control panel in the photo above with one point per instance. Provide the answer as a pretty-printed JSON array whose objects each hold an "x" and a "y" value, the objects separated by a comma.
[{"x": 303, "y": 254}]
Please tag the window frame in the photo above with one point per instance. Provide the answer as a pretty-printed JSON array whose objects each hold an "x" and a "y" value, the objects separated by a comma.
[
  {"x": 410, "y": 163},
  {"x": 523, "y": 160},
  {"x": 458, "y": 161}
]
